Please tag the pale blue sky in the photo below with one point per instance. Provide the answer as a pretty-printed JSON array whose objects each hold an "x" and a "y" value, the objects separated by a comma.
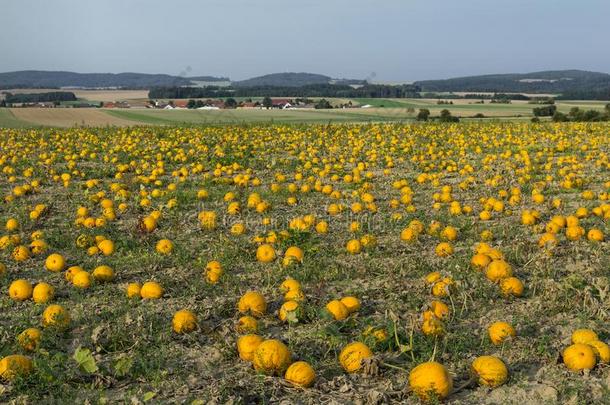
[{"x": 394, "y": 40}]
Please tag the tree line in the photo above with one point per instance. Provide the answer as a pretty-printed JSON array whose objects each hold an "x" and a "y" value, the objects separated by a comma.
[
  {"x": 54, "y": 96},
  {"x": 312, "y": 90}
]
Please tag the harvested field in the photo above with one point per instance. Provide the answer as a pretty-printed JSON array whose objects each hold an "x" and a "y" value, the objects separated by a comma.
[{"x": 68, "y": 117}]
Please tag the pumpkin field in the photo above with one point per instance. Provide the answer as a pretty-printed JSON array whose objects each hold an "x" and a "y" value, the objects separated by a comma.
[{"x": 344, "y": 263}]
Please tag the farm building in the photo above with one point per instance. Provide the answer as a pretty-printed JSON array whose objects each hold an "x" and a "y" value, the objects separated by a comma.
[{"x": 281, "y": 103}]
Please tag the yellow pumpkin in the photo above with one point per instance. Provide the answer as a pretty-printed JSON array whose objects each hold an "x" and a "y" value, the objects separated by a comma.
[
  {"x": 55, "y": 262},
  {"x": 430, "y": 380},
  {"x": 247, "y": 324},
  {"x": 213, "y": 271},
  {"x": 106, "y": 247},
  {"x": 252, "y": 302},
  {"x": 294, "y": 295},
  {"x": 353, "y": 246},
  {"x": 480, "y": 261},
  {"x": 21, "y": 253},
  {"x": 352, "y": 355},
  {"x": 490, "y": 370},
  {"x": 293, "y": 255},
  {"x": 12, "y": 225},
  {"x": 300, "y": 374},
  {"x": 14, "y": 366},
  {"x": 351, "y": 303},
  {"x": 103, "y": 274},
  {"x": 20, "y": 290},
  {"x": 337, "y": 309},
  {"x": 440, "y": 309},
  {"x": 271, "y": 357},
  {"x": 247, "y": 344},
  {"x": 443, "y": 249},
  {"x": 500, "y": 331},
  {"x": 433, "y": 277},
  {"x": 584, "y": 336},
  {"x": 82, "y": 279},
  {"x": 601, "y": 349},
  {"x": 289, "y": 311},
  {"x": 498, "y": 270},
  {"x": 55, "y": 316},
  {"x": 511, "y": 286},
  {"x": 71, "y": 272},
  {"x": 43, "y": 293},
  {"x": 442, "y": 288},
  {"x": 164, "y": 246},
  {"x": 133, "y": 290},
  {"x": 184, "y": 321},
  {"x": 29, "y": 339},
  {"x": 579, "y": 356},
  {"x": 290, "y": 284},
  {"x": 595, "y": 235},
  {"x": 151, "y": 290},
  {"x": 432, "y": 327},
  {"x": 265, "y": 253}
]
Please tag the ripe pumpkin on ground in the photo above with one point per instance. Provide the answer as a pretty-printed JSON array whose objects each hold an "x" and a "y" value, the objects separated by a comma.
[
  {"x": 55, "y": 316},
  {"x": 184, "y": 321},
  {"x": 247, "y": 344},
  {"x": 300, "y": 374},
  {"x": 29, "y": 339},
  {"x": 20, "y": 290},
  {"x": 584, "y": 336},
  {"x": 578, "y": 357},
  {"x": 500, "y": 331},
  {"x": 151, "y": 290},
  {"x": 271, "y": 357},
  {"x": 247, "y": 324},
  {"x": 352, "y": 355},
  {"x": 43, "y": 293},
  {"x": 430, "y": 380},
  {"x": 252, "y": 302},
  {"x": 337, "y": 309},
  {"x": 490, "y": 370},
  {"x": 351, "y": 303},
  {"x": 14, "y": 366}
]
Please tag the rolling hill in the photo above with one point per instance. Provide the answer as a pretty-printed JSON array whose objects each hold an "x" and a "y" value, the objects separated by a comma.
[
  {"x": 47, "y": 79},
  {"x": 289, "y": 79},
  {"x": 559, "y": 81}
]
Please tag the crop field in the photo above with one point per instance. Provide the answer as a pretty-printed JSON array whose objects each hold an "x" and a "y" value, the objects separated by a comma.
[
  {"x": 381, "y": 110},
  {"x": 66, "y": 117},
  {"x": 339, "y": 263}
]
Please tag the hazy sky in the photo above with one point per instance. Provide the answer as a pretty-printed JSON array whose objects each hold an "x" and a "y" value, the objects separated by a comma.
[{"x": 390, "y": 40}]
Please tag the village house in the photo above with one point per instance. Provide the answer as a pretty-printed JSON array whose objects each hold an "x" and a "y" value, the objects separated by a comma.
[{"x": 281, "y": 103}]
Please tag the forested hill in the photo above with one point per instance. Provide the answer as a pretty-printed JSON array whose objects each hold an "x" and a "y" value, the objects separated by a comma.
[
  {"x": 291, "y": 79},
  {"x": 47, "y": 79},
  {"x": 559, "y": 81}
]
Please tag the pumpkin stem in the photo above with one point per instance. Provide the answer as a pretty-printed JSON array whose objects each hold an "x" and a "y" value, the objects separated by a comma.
[
  {"x": 384, "y": 364},
  {"x": 468, "y": 383}
]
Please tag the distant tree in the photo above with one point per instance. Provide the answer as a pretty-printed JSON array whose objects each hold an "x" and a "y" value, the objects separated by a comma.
[
  {"x": 199, "y": 104},
  {"x": 535, "y": 119},
  {"x": 479, "y": 115},
  {"x": 559, "y": 117},
  {"x": 546, "y": 111},
  {"x": 446, "y": 116},
  {"x": 191, "y": 104},
  {"x": 2, "y": 104},
  {"x": 267, "y": 102},
  {"x": 171, "y": 102},
  {"x": 323, "y": 104},
  {"x": 230, "y": 103},
  {"x": 423, "y": 114}
]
